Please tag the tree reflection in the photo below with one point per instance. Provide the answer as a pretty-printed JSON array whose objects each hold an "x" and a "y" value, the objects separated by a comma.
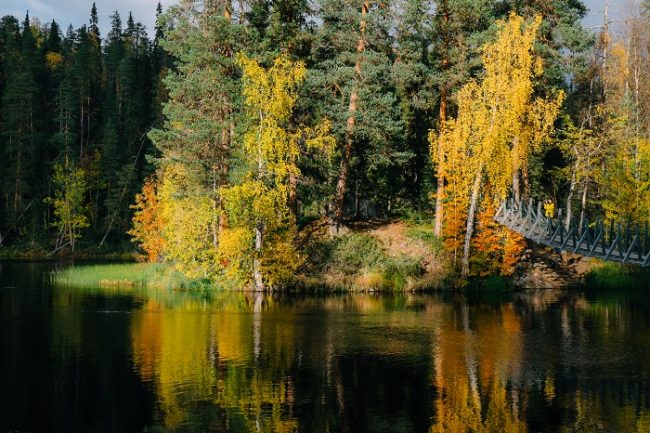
[
  {"x": 198, "y": 356},
  {"x": 253, "y": 362},
  {"x": 476, "y": 372}
]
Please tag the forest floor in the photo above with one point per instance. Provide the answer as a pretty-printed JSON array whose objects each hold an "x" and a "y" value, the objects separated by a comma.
[{"x": 377, "y": 255}]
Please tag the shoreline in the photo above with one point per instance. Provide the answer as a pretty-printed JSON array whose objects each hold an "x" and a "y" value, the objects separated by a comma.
[
  {"x": 370, "y": 257},
  {"x": 161, "y": 277}
]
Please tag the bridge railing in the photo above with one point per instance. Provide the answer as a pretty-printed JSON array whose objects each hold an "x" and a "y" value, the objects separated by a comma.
[{"x": 625, "y": 242}]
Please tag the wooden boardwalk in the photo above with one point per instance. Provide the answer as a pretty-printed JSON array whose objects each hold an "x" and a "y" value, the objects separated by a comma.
[{"x": 618, "y": 242}]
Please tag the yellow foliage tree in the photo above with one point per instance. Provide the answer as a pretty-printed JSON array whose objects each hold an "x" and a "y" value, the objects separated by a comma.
[
  {"x": 499, "y": 123},
  {"x": 495, "y": 248},
  {"x": 625, "y": 179},
  {"x": 188, "y": 219},
  {"x": 487, "y": 247},
  {"x": 257, "y": 246},
  {"x": 147, "y": 222},
  {"x": 456, "y": 168},
  {"x": 513, "y": 248}
]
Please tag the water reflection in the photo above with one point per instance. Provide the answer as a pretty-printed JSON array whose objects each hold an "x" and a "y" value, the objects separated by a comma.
[
  {"x": 351, "y": 363},
  {"x": 477, "y": 367},
  {"x": 182, "y": 361}
]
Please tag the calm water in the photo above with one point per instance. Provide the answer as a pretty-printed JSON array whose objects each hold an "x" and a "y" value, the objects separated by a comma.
[{"x": 124, "y": 361}]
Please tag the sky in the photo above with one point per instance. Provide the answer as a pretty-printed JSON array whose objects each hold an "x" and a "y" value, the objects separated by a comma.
[
  {"x": 617, "y": 11},
  {"x": 77, "y": 12}
]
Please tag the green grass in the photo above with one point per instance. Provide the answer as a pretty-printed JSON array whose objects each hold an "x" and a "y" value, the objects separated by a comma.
[
  {"x": 355, "y": 252},
  {"x": 129, "y": 275},
  {"x": 112, "y": 275},
  {"x": 616, "y": 276},
  {"x": 425, "y": 234},
  {"x": 356, "y": 261}
]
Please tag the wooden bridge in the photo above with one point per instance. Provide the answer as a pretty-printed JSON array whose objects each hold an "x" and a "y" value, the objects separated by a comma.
[{"x": 619, "y": 242}]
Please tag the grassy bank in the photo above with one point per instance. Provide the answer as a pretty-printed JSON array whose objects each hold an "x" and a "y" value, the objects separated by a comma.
[
  {"x": 111, "y": 275},
  {"x": 399, "y": 256},
  {"x": 125, "y": 275},
  {"x": 352, "y": 262},
  {"x": 617, "y": 276}
]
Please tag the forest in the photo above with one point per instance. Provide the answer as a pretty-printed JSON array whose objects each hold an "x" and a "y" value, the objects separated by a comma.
[{"x": 219, "y": 145}]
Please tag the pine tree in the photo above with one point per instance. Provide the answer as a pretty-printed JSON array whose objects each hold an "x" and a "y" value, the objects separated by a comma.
[
  {"x": 65, "y": 110},
  {"x": 160, "y": 65},
  {"x": 416, "y": 92},
  {"x": 352, "y": 83},
  {"x": 10, "y": 55},
  {"x": 88, "y": 76},
  {"x": 94, "y": 22}
]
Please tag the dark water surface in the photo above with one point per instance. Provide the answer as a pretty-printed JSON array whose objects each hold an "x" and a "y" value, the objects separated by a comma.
[{"x": 149, "y": 361}]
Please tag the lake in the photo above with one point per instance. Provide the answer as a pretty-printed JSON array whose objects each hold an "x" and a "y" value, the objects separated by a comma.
[{"x": 125, "y": 360}]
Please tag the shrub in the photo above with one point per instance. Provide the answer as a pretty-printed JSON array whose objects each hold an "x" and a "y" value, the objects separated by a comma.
[{"x": 355, "y": 252}]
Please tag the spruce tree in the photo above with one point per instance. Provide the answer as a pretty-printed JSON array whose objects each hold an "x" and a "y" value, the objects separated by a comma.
[
  {"x": 9, "y": 58},
  {"x": 21, "y": 121},
  {"x": 351, "y": 83},
  {"x": 199, "y": 131}
]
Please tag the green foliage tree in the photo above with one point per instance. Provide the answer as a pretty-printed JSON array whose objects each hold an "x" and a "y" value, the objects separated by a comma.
[
  {"x": 68, "y": 202},
  {"x": 21, "y": 120},
  {"x": 196, "y": 140}
]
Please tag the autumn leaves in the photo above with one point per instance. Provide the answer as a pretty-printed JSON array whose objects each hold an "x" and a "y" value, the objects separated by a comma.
[
  {"x": 244, "y": 229},
  {"x": 499, "y": 122},
  {"x": 254, "y": 243}
]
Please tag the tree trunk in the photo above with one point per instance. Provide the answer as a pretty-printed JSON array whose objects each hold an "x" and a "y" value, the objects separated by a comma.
[
  {"x": 81, "y": 129},
  {"x": 569, "y": 199},
  {"x": 526, "y": 180},
  {"x": 227, "y": 11},
  {"x": 88, "y": 113},
  {"x": 516, "y": 187},
  {"x": 292, "y": 200},
  {"x": 440, "y": 188},
  {"x": 583, "y": 205},
  {"x": 471, "y": 215},
  {"x": 257, "y": 265},
  {"x": 351, "y": 122},
  {"x": 356, "y": 200},
  {"x": 18, "y": 186},
  {"x": 71, "y": 234},
  {"x": 223, "y": 220},
  {"x": 215, "y": 227}
]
